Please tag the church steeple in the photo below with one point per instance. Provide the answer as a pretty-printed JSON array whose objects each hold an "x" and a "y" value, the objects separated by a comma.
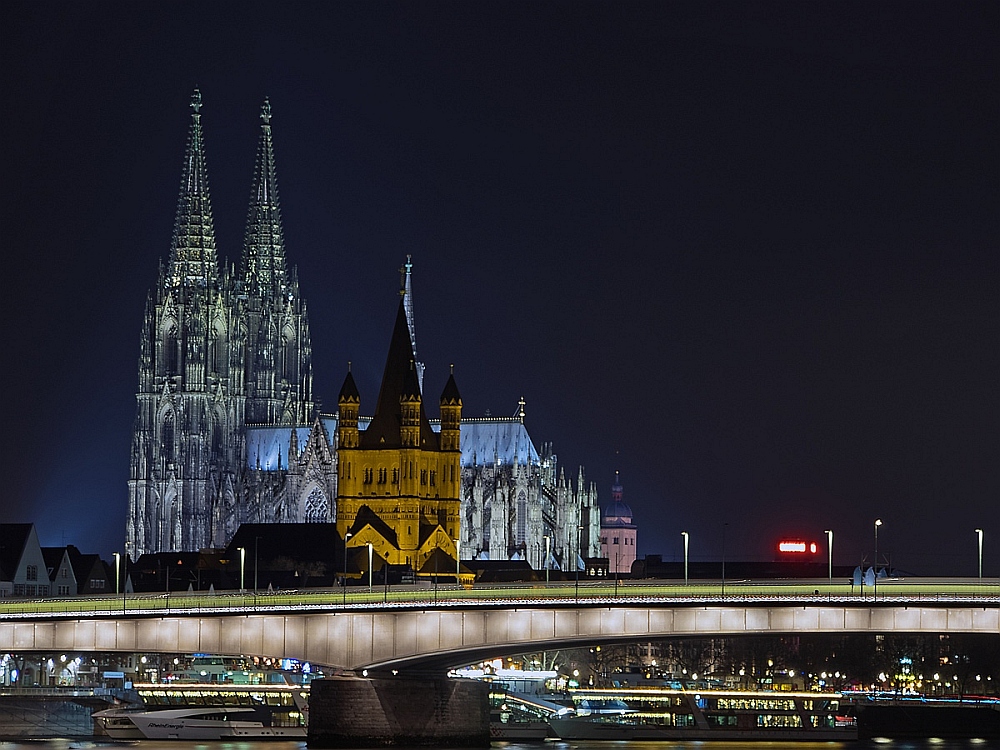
[
  {"x": 407, "y": 292},
  {"x": 193, "y": 260},
  {"x": 264, "y": 272},
  {"x": 279, "y": 353}
]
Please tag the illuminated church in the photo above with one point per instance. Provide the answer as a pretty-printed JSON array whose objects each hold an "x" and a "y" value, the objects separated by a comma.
[{"x": 227, "y": 430}]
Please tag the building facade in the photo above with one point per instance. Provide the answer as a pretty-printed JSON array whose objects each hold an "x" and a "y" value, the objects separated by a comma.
[
  {"x": 227, "y": 430},
  {"x": 399, "y": 480},
  {"x": 217, "y": 352}
]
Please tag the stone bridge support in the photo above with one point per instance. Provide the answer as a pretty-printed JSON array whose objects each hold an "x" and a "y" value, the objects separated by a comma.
[{"x": 352, "y": 712}]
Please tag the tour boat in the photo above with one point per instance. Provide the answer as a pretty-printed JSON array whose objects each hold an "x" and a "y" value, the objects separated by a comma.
[
  {"x": 667, "y": 713},
  {"x": 210, "y": 711}
]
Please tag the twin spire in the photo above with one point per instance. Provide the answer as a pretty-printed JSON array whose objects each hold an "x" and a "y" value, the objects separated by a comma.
[
  {"x": 193, "y": 260},
  {"x": 193, "y": 256},
  {"x": 264, "y": 272}
]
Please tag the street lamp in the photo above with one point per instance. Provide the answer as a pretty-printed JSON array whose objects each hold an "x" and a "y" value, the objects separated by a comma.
[
  {"x": 385, "y": 577},
  {"x": 878, "y": 522},
  {"x": 347, "y": 536},
  {"x": 548, "y": 541},
  {"x": 371, "y": 570},
  {"x": 118, "y": 560},
  {"x": 724, "y": 527},
  {"x": 243, "y": 568},
  {"x": 576, "y": 563},
  {"x": 829, "y": 551},
  {"x": 979, "y": 533},
  {"x": 687, "y": 539},
  {"x": 256, "y": 540},
  {"x": 458, "y": 563}
]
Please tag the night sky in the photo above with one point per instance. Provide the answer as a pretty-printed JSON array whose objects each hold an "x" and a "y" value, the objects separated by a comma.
[{"x": 744, "y": 253}]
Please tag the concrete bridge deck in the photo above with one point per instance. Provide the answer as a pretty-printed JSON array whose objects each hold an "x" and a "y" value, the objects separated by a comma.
[{"x": 394, "y": 629}]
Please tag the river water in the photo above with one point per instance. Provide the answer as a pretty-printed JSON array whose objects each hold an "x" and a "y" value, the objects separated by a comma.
[{"x": 880, "y": 744}]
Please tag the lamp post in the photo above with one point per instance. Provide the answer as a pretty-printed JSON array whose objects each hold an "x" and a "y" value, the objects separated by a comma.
[
  {"x": 878, "y": 522},
  {"x": 548, "y": 541},
  {"x": 118, "y": 560},
  {"x": 385, "y": 576},
  {"x": 724, "y": 527},
  {"x": 371, "y": 570},
  {"x": 347, "y": 536},
  {"x": 979, "y": 533},
  {"x": 687, "y": 539},
  {"x": 458, "y": 563},
  {"x": 243, "y": 568},
  {"x": 829, "y": 551},
  {"x": 256, "y": 540},
  {"x": 576, "y": 563},
  {"x": 617, "y": 560}
]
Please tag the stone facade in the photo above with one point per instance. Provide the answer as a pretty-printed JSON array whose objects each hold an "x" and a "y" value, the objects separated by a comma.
[{"x": 227, "y": 430}]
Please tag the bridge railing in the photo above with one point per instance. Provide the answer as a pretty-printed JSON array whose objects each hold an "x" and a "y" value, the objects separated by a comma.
[{"x": 605, "y": 592}]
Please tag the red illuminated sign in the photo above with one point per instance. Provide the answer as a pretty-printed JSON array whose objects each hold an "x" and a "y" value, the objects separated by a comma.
[{"x": 797, "y": 547}]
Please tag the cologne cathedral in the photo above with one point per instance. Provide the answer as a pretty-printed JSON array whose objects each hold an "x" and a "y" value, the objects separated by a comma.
[{"x": 227, "y": 430}]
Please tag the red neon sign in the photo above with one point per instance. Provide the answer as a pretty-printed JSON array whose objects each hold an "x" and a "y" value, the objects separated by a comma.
[{"x": 797, "y": 547}]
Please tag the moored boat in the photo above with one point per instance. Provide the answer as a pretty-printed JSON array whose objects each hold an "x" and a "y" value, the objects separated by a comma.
[
  {"x": 210, "y": 711},
  {"x": 666, "y": 713}
]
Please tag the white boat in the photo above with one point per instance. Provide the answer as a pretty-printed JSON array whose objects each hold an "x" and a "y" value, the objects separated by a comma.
[{"x": 210, "y": 711}]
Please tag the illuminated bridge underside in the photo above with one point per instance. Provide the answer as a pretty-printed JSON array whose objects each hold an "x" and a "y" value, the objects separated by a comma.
[{"x": 421, "y": 638}]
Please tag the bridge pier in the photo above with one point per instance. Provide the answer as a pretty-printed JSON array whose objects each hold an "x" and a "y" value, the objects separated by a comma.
[{"x": 353, "y": 712}]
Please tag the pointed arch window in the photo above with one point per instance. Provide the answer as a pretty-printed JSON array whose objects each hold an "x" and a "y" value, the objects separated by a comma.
[
  {"x": 216, "y": 438},
  {"x": 522, "y": 517},
  {"x": 217, "y": 357},
  {"x": 170, "y": 351},
  {"x": 317, "y": 509},
  {"x": 289, "y": 357},
  {"x": 167, "y": 437}
]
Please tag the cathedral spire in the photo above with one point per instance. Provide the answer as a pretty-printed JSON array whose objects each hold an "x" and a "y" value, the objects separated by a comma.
[
  {"x": 407, "y": 293},
  {"x": 264, "y": 271},
  {"x": 193, "y": 259}
]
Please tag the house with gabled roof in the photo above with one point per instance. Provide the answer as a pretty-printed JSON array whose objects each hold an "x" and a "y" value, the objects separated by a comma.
[
  {"x": 59, "y": 567},
  {"x": 23, "y": 571}
]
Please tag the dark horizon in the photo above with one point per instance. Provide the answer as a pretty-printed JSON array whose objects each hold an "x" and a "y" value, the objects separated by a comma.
[{"x": 746, "y": 254}]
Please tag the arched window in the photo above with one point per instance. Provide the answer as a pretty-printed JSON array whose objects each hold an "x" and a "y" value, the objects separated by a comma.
[
  {"x": 316, "y": 507},
  {"x": 170, "y": 350},
  {"x": 167, "y": 437},
  {"x": 216, "y": 438},
  {"x": 522, "y": 517},
  {"x": 217, "y": 356},
  {"x": 290, "y": 357}
]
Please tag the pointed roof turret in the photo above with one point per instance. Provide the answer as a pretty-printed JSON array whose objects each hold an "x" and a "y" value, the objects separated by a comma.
[
  {"x": 398, "y": 380},
  {"x": 450, "y": 394},
  {"x": 349, "y": 390},
  {"x": 264, "y": 271},
  {"x": 193, "y": 260}
]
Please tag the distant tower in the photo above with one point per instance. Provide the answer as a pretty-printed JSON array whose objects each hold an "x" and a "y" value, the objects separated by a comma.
[
  {"x": 399, "y": 480},
  {"x": 618, "y": 532},
  {"x": 188, "y": 416}
]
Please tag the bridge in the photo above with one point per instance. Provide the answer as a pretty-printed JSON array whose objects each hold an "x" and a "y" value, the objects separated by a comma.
[{"x": 403, "y": 628}]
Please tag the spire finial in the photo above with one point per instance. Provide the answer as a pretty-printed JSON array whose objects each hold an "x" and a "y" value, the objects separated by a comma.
[
  {"x": 348, "y": 365},
  {"x": 196, "y": 101},
  {"x": 452, "y": 366},
  {"x": 265, "y": 111},
  {"x": 520, "y": 409}
]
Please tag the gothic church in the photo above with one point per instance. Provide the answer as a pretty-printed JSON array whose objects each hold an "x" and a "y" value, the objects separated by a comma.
[{"x": 227, "y": 430}]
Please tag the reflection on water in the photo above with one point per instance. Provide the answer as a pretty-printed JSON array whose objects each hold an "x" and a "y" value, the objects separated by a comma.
[{"x": 878, "y": 744}]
